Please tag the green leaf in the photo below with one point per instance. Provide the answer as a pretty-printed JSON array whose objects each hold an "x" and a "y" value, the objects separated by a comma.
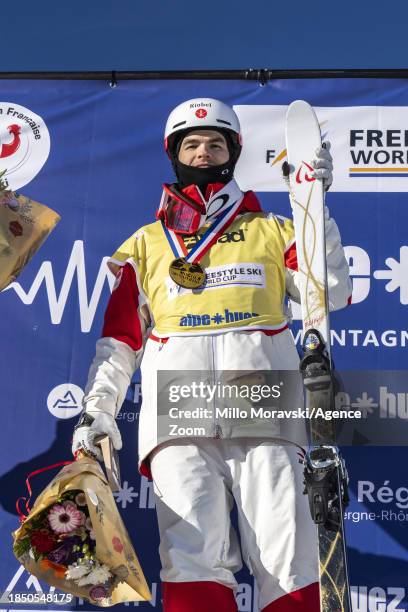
[{"x": 21, "y": 546}]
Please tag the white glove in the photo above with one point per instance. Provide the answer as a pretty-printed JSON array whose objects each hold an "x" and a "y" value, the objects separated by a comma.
[
  {"x": 323, "y": 164},
  {"x": 91, "y": 425}
]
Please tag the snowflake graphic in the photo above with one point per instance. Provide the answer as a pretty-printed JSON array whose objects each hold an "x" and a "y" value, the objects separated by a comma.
[
  {"x": 217, "y": 318},
  {"x": 365, "y": 404},
  {"x": 397, "y": 273},
  {"x": 125, "y": 495}
]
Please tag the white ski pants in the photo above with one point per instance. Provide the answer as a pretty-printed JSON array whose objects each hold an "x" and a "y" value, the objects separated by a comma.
[{"x": 196, "y": 482}]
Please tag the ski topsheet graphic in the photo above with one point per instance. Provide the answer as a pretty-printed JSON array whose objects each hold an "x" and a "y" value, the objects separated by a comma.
[{"x": 325, "y": 474}]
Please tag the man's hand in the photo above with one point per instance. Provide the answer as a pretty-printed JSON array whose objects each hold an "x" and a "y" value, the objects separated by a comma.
[
  {"x": 323, "y": 164},
  {"x": 91, "y": 425}
]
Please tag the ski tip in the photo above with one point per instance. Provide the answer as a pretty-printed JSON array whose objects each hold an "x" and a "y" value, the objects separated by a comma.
[
  {"x": 298, "y": 108},
  {"x": 297, "y": 104},
  {"x": 301, "y": 115}
]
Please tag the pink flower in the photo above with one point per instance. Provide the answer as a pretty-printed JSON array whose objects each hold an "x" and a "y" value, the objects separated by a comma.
[
  {"x": 64, "y": 519},
  {"x": 97, "y": 593},
  {"x": 69, "y": 504}
]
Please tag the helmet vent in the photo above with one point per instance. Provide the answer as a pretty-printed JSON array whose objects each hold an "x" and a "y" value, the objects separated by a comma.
[
  {"x": 176, "y": 125},
  {"x": 222, "y": 121}
]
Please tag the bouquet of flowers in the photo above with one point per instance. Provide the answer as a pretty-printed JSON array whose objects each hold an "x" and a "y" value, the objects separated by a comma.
[
  {"x": 74, "y": 539},
  {"x": 24, "y": 225},
  {"x": 63, "y": 539}
]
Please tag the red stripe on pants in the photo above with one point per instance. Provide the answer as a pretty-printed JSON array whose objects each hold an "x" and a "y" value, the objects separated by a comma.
[
  {"x": 303, "y": 600},
  {"x": 197, "y": 597}
]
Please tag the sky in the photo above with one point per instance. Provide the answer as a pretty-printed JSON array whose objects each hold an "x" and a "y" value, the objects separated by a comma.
[{"x": 82, "y": 35}]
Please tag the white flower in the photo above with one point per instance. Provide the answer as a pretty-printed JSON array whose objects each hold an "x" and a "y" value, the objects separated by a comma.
[
  {"x": 80, "y": 499},
  {"x": 99, "y": 575},
  {"x": 77, "y": 571},
  {"x": 92, "y": 535},
  {"x": 64, "y": 519}
]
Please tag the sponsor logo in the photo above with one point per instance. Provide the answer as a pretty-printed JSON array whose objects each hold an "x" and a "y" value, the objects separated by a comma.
[
  {"x": 302, "y": 173},
  {"x": 200, "y": 104},
  {"x": 24, "y": 144},
  {"x": 201, "y": 113},
  {"x": 237, "y": 236},
  {"x": 385, "y": 503},
  {"x": 378, "y": 153},
  {"x": 368, "y": 142},
  {"x": 397, "y": 274},
  {"x": 377, "y": 599},
  {"x": 145, "y": 496},
  {"x": 65, "y": 401},
  {"x": 363, "y": 337},
  {"x": 389, "y": 405},
  {"x": 216, "y": 204},
  {"x": 227, "y": 237},
  {"x": 272, "y": 158},
  {"x": 370, "y": 493},
  {"x": 229, "y": 316},
  {"x": 244, "y": 275},
  {"x": 127, "y": 416}
]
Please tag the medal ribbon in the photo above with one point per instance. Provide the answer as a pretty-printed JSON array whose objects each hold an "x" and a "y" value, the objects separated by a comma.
[{"x": 210, "y": 236}]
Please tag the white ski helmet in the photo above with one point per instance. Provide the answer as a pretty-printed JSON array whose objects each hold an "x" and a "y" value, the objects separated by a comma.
[{"x": 205, "y": 113}]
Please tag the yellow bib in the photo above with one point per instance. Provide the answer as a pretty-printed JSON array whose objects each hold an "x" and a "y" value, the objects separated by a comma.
[{"x": 245, "y": 277}]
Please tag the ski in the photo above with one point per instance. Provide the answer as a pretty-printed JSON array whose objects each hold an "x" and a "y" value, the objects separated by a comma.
[{"x": 326, "y": 477}]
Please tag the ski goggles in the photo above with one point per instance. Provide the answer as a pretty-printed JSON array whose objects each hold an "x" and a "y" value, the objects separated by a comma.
[{"x": 179, "y": 212}]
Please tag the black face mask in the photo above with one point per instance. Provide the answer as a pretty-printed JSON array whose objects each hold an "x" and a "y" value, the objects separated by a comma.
[{"x": 189, "y": 175}]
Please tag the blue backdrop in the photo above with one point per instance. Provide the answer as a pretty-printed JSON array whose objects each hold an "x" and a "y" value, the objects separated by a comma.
[{"x": 103, "y": 176}]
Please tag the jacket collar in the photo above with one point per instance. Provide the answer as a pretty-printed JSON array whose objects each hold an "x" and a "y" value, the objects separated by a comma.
[{"x": 250, "y": 203}]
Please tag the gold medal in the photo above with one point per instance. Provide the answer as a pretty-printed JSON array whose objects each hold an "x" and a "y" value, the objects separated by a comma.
[{"x": 185, "y": 274}]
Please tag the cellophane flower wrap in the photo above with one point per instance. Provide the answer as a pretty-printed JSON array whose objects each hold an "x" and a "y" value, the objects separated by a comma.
[{"x": 74, "y": 539}]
